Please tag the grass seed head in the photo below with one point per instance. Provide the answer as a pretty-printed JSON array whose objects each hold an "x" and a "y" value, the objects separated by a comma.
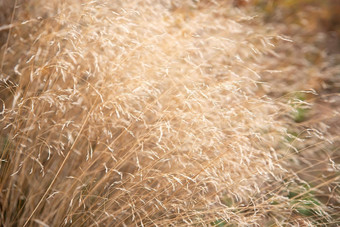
[{"x": 141, "y": 113}]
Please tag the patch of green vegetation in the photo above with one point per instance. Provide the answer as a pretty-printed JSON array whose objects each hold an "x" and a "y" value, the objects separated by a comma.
[
  {"x": 226, "y": 200},
  {"x": 222, "y": 223},
  {"x": 300, "y": 112},
  {"x": 304, "y": 201},
  {"x": 274, "y": 203},
  {"x": 229, "y": 202},
  {"x": 291, "y": 136},
  {"x": 300, "y": 115},
  {"x": 219, "y": 223}
]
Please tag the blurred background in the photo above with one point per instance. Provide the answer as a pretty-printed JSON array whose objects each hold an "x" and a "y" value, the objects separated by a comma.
[{"x": 311, "y": 15}]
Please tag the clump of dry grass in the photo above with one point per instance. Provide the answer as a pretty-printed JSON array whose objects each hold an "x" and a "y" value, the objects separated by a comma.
[{"x": 142, "y": 113}]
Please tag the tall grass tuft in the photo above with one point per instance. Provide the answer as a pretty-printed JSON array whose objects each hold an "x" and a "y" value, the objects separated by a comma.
[{"x": 145, "y": 113}]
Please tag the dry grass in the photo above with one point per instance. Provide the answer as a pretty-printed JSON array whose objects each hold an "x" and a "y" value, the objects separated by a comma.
[{"x": 148, "y": 113}]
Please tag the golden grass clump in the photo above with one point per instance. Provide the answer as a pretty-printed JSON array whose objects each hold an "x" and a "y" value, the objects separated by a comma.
[{"x": 142, "y": 113}]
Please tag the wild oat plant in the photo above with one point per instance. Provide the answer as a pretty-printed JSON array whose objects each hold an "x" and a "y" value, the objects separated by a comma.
[{"x": 146, "y": 113}]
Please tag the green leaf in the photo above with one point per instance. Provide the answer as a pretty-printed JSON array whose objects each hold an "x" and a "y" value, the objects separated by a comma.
[{"x": 219, "y": 223}]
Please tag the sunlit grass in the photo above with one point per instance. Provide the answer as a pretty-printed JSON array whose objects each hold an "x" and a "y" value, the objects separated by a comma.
[{"x": 145, "y": 113}]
